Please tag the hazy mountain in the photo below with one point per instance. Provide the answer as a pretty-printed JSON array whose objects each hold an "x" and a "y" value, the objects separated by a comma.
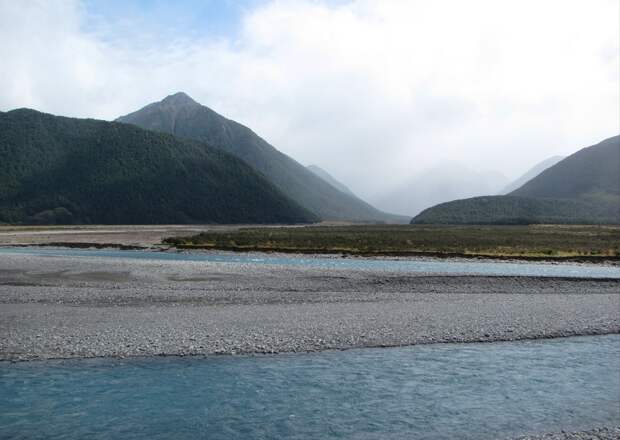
[
  {"x": 180, "y": 115},
  {"x": 531, "y": 173},
  {"x": 582, "y": 188},
  {"x": 442, "y": 183},
  {"x": 330, "y": 179},
  {"x": 64, "y": 170},
  {"x": 589, "y": 173}
]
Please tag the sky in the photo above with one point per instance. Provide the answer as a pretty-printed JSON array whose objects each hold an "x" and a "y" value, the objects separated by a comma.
[{"x": 374, "y": 92}]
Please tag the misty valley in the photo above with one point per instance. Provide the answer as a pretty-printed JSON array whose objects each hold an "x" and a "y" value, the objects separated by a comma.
[{"x": 312, "y": 219}]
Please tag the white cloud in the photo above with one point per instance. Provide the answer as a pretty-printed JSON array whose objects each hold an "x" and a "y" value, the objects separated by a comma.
[{"x": 371, "y": 90}]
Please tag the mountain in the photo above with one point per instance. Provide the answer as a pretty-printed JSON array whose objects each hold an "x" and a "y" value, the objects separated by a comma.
[
  {"x": 442, "y": 183},
  {"x": 63, "y": 170},
  {"x": 589, "y": 173},
  {"x": 181, "y": 116},
  {"x": 582, "y": 188},
  {"x": 330, "y": 179},
  {"x": 531, "y": 173},
  {"x": 512, "y": 210}
]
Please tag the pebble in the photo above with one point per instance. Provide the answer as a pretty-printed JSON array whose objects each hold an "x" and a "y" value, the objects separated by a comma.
[{"x": 605, "y": 433}]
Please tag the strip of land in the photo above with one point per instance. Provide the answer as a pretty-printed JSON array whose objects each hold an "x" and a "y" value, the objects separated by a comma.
[
  {"x": 61, "y": 307},
  {"x": 588, "y": 243},
  {"x": 138, "y": 236},
  {"x": 559, "y": 242}
]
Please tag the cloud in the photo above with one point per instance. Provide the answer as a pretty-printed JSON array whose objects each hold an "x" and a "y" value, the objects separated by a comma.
[{"x": 372, "y": 91}]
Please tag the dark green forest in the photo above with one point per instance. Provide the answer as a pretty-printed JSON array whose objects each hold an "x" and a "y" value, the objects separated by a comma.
[
  {"x": 511, "y": 210},
  {"x": 57, "y": 170}
]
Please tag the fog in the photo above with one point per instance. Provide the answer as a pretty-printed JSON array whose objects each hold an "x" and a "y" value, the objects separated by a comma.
[{"x": 382, "y": 94}]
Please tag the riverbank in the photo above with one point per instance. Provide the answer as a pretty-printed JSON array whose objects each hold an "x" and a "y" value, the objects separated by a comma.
[
  {"x": 557, "y": 243},
  {"x": 64, "y": 307}
]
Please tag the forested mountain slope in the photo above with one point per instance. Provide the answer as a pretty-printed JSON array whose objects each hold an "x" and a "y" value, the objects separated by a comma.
[
  {"x": 180, "y": 115},
  {"x": 57, "y": 170}
]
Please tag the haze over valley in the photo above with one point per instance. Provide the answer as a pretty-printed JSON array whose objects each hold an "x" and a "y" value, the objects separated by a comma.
[
  {"x": 376, "y": 110},
  {"x": 76, "y": 159}
]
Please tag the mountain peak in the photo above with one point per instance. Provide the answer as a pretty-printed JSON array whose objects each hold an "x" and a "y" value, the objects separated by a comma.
[
  {"x": 179, "y": 115},
  {"x": 179, "y": 98}
]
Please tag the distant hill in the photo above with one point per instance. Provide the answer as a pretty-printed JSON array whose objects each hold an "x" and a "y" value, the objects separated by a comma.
[
  {"x": 588, "y": 173},
  {"x": 442, "y": 183},
  {"x": 57, "y": 170},
  {"x": 531, "y": 173},
  {"x": 512, "y": 210},
  {"x": 180, "y": 115},
  {"x": 582, "y": 188},
  {"x": 330, "y": 179}
]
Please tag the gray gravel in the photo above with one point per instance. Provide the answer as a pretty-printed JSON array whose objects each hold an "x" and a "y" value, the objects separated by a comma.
[
  {"x": 594, "y": 434},
  {"x": 60, "y": 307}
]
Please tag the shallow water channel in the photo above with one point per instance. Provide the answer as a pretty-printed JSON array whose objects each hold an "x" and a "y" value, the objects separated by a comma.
[{"x": 414, "y": 265}]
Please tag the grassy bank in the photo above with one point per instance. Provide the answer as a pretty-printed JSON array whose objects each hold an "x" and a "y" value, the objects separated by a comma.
[{"x": 539, "y": 241}]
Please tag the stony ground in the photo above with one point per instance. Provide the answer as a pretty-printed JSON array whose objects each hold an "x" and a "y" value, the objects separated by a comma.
[
  {"x": 119, "y": 235},
  {"x": 594, "y": 434},
  {"x": 58, "y": 307},
  {"x": 125, "y": 235}
]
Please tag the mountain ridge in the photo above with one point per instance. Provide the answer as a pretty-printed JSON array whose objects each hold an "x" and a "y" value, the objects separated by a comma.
[
  {"x": 188, "y": 119},
  {"x": 593, "y": 168},
  {"x": 330, "y": 179},
  {"x": 530, "y": 174}
]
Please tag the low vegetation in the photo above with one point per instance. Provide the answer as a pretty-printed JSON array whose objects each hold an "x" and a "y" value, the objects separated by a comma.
[{"x": 536, "y": 241}]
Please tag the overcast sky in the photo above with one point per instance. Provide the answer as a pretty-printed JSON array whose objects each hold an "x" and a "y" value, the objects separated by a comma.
[{"x": 372, "y": 91}]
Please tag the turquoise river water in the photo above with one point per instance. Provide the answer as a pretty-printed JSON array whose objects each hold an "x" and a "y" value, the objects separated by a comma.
[
  {"x": 443, "y": 391},
  {"x": 414, "y": 265}
]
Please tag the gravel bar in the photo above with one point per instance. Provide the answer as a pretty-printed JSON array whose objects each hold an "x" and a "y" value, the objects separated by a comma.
[{"x": 64, "y": 307}]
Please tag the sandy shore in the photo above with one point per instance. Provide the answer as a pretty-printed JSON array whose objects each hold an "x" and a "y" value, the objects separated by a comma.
[{"x": 84, "y": 307}]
